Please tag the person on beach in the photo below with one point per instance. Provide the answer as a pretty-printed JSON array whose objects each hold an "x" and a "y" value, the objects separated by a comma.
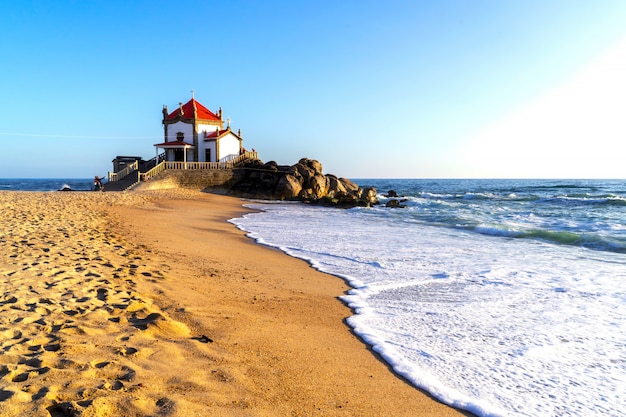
[{"x": 97, "y": 184}]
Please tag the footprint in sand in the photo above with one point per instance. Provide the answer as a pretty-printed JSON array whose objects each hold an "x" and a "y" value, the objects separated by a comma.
[{"x": 73, "y": 328}]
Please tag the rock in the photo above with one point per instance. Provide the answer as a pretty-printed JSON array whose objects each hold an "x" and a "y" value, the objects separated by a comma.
[
  {"x": 391, "y": 193},
  {"x": 369, "y": 197},
  {"x": 350, "y": 187},
  {"x": 288, "y": 187},
  {"x": 335, "y": 187},
  {"x": 394, "y": 203},
  {"x": 316, "y": 166},
  {"x": 318, "y": 185},
  {"x": 270, "y": 166},
  {"x": 304, "y": 171},
  {"x": 303, "y": 181}
]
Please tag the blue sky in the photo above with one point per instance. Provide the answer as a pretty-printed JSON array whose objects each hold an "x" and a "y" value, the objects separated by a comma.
[{"x": 397, "y": 89}]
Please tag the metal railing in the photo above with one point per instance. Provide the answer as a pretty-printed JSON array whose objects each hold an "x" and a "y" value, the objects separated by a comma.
[
  {"x": 148, "y": 175},
  {"x": 151, "y": 163},
  {"x": 224, "y": 164},
  {"x": 116, "y": 176},
  {"x": 235, "y": 160}
]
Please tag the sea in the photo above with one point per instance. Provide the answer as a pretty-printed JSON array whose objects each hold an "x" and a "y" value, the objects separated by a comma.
[
  {"x": 499, "y": 297},
  {"x": 45, "y": 184}
]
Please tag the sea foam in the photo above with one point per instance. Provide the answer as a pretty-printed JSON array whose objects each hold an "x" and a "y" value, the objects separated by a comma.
[{"x": 494, "y": 324}]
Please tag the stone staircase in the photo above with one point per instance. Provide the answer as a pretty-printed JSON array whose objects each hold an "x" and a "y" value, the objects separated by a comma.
[
  {"x": 186, "y": 173},
  {"x": 123, "y": 184}
]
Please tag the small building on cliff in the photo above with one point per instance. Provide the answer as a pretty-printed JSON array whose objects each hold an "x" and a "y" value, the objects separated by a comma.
[{"x": 193, "y": 133}]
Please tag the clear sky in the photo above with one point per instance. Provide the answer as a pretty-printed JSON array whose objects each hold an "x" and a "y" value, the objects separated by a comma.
[{"x": 398, "y": 89}]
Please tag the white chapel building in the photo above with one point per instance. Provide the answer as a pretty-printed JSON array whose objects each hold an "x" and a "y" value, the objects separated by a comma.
[{"x": 194, "y": 133}]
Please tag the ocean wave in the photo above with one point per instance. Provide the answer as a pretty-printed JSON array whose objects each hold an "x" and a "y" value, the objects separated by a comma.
[
  {"x": 568, "y": 199},
  {"x": 460, "y": 196},
  {"x": 585, "y": 199},
  {"x": 585, "y": 240},
  {"x": 560, "y": 237},
  {"x": 461, "y": 294},
  {"x": 436, "y": 196},
  {"x": 558, "y": 195},
  {"x": 496, "y": 230},
  {"x": 478, "y": 197},
  {"x": 556, "y": 200}
]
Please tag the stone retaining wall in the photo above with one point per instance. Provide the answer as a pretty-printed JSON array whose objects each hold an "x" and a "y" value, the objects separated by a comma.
[{"x": 191, "y": 179}]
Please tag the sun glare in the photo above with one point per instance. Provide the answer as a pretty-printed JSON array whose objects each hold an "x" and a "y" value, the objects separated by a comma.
[{"x": 575, "y": 130}]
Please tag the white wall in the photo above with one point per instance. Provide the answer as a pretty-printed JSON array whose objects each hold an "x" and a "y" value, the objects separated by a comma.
[
  {"x": 209, "y": 145},
  {"x": 229, "y": 145},
  {"x": 202, "y": 145},
  {"x": 186, "y": 128}
]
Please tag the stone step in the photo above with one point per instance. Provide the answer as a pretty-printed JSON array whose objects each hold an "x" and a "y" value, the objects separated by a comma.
[{"x": 124, "y": 183}]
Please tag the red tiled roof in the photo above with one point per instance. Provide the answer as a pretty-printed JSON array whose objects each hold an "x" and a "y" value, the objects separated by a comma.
[
  {"x": 188, "y": 113},
  {"x": 214, "y": 134}
]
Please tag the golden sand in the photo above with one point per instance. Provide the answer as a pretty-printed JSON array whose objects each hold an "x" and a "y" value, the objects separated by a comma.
[{"x": 151, "y": 304}]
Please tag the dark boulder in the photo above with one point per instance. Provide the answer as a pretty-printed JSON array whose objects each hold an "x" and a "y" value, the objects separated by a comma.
[
  {"x": 289, "y": 186},
  {"x": 369, "y": 197},
  {"x": 303, "y": 181},
  {"x": 394, "y": 204}
]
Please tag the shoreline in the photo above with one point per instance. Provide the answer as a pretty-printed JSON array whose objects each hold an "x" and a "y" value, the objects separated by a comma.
[
  {"x": 333, "y": 287},
  {"x": 214, "y": 322}
]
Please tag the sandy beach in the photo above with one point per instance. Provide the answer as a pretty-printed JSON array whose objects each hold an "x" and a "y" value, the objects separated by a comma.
[{"x": 152, "y": 304}]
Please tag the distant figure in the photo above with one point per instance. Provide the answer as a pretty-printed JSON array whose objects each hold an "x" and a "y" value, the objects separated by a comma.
[{"x": 97, "y": 184}]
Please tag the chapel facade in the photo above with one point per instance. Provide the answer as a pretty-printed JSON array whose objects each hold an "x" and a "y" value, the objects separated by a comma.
[{"x": 193, "y": 133}]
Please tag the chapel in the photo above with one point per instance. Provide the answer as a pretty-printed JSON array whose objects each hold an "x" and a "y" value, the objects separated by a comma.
[{"x": 193, "y": 133}]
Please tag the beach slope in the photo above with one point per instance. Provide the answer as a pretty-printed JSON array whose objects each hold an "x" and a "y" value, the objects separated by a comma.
[{"x": 151, "y": 303}]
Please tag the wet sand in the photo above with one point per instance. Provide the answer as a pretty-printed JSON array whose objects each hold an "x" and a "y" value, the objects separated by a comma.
[{"x": 151, "y": 304}]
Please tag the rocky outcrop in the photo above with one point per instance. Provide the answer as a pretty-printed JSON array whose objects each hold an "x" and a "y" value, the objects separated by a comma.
[
  {"x": 393, "y": 203},
  {"x": 303, "y": 181}
]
